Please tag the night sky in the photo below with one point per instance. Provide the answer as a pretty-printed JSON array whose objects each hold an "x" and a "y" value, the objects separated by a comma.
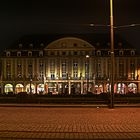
[{"x": 20, "y": 18}]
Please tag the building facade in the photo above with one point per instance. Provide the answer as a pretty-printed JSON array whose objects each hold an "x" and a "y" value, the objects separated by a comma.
[{"x": 69, "y": 65}]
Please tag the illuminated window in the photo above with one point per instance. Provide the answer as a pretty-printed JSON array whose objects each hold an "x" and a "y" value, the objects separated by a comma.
[
  {"x": 75, "y": 69},
  {"x": 52, "y": 76},
  {"x": 132, "y": 70},
  {"x": 64, "y": 65},
  {"x": 52, "y": 69},
  {"x": 8, "y": 88}
]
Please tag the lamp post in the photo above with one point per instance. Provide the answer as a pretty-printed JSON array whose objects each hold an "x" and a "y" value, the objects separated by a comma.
[
  {"x": 87, "y": 71},
  {"x": 30, "y": 85},
  {"x": 112, "y": 55}
]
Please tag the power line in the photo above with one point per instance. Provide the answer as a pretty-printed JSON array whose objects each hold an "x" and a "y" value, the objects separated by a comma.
[
  {"x": 115, "y": 27},
  {"x": 125, "y": 26}
]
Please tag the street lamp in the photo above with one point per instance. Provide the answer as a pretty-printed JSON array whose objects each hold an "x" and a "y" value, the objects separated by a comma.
[
  {"x": 87, "y": 71},
  {"x": 30, "y": 85},
  {"x": 112, "y": 55}
]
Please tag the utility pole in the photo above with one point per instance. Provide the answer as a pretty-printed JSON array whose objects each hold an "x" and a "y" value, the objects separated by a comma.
[{"x": 112, "y": 55}]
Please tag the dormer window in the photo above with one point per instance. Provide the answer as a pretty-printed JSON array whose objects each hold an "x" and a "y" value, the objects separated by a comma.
[
  {"x": 42, "y": 45},
  {"x": 98, "y": 53},
  {"x": 108, "y": 44},
  {"x": 109, "y": 53},
  {"x": 18, "y": 53},
  {"x": 8, "y": 54},
  {"x": 97, "y": 44},
  {"x": 29, "y": 53},
  {"x": 20, "y": 45},
  {"x": 31, "y": 45},
  {"x": 41, "y": 53},
  {"x": 75, "y": 45},
  {"x": 120, "y": 44},
  {"x": 121, "y": 53},
  {"x": 132, "y": 52}
]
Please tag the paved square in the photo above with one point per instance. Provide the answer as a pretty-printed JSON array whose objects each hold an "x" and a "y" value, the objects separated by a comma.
[{"x": 69, "y": 123}]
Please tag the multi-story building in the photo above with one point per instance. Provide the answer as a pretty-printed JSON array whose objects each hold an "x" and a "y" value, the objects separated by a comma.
[{"x": 69, "y": 64}]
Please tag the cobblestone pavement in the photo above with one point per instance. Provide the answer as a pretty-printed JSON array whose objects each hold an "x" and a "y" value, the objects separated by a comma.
[{"x": 69, "y": 123}]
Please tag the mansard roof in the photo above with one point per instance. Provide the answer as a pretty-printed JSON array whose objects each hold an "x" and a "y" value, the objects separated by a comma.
[{"x": 99, "y": 41}]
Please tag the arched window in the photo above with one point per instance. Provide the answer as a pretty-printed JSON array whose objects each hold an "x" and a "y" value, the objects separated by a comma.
[
  {"x": 30, "y": 88},
  {"x": 8, "y": 88},
  {"x": 132, "y": 88},
  {"x": 40, "y": 88},
  {"x": 19, "y": 88}
]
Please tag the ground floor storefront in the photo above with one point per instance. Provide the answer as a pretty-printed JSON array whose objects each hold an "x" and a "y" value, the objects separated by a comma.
[{"x": 70, "y": 87}]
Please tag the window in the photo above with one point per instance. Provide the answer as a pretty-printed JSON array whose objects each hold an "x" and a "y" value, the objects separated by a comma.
[
  {"x": 30, "y": 69},
  {"x": 31, "y": 45},
  {"x": 132, "y": 53},
  {"x": 75, "y": 44},
  {"x": 8, "y": 54},
  {"x": 52, "y": 76},
  {"x": 19, "y": 65},
  {"x": 41, "y": 45},
  {"x": 52, "y": 53},
  {"x": 75, "y": 53},
  {"x": 87, "y": 70},
  {"x": 121, "y": 53},
  {"x": 98, "y": 53},
  {"x": 19, "y": 75},
  {"x": 132, "y": 69},
  {"x": 9, "y": 75},
  {"x": 29, "y": 53},
  {"x": 75, "y": 74},
  {"x": 41, "y": 53},
  {"x": 121, "y": 69},
  {"x": 75, "y": 69},
  {"x": 64, "y": 65},
  {"x": 20, "y": 45},
  {"x": 18, "y": 53},
  {"x": 63, "y": 53}
]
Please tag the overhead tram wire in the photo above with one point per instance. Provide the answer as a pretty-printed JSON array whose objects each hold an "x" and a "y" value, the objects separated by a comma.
[{"x": 115, "y": 27}]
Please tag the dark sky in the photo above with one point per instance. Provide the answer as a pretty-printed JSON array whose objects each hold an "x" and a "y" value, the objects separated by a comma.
[{"x": 26, "y": 17}]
